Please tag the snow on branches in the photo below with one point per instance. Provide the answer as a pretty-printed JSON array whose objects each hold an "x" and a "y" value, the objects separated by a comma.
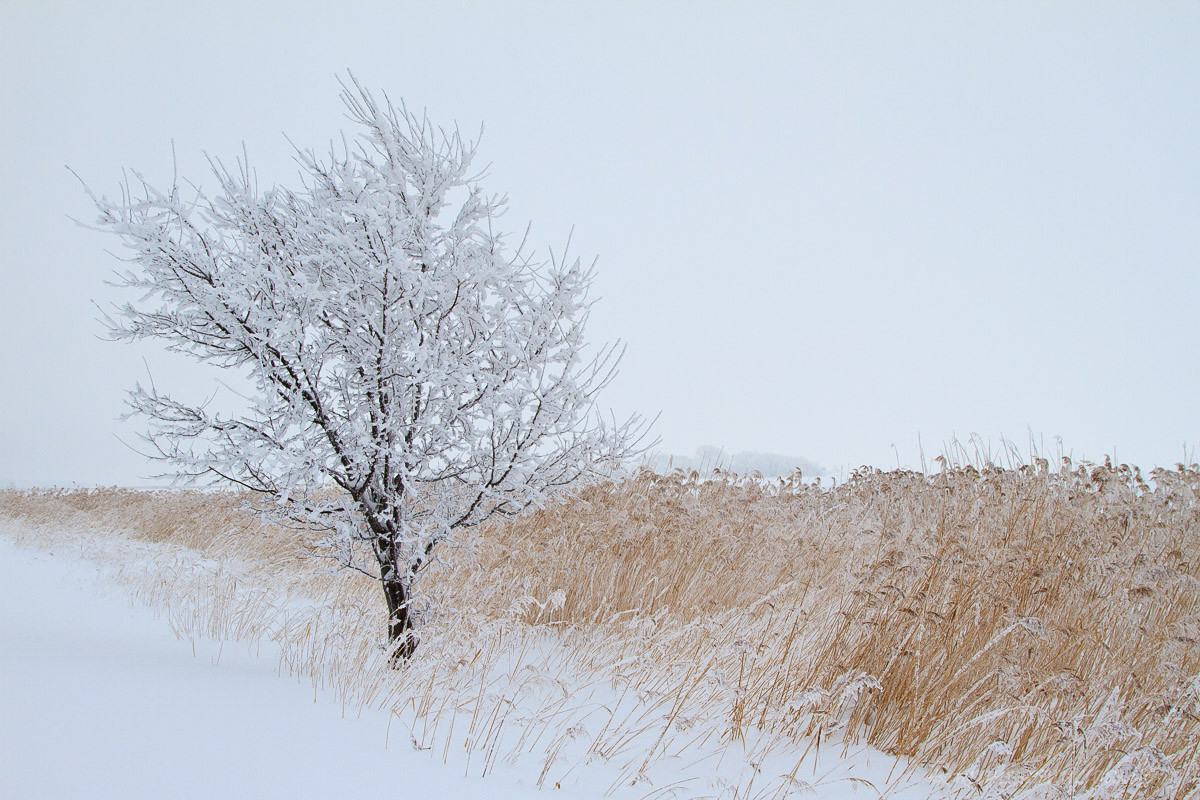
[{"x": 412, "y": 374}]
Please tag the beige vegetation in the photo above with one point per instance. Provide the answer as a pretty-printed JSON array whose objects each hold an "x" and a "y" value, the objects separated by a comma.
[{"x": 1025, "y": 632}]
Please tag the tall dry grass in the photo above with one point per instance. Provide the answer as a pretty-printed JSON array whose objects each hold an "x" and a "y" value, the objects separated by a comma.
[
  {"x": 1023, "y": 631},
  {"x": 1010, "y": 626}
]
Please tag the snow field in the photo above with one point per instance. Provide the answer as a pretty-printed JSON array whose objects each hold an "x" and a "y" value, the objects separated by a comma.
[
  {"x": 1024, "y": 633},
  {"x": 116, "y": 683}
]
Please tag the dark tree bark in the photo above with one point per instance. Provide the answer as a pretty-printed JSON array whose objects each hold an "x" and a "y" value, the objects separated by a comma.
[{"x": 401, "y": 635}]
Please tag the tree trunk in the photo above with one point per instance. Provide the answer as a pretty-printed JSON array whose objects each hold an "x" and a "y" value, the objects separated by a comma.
[{"x": 401, "y": 637}]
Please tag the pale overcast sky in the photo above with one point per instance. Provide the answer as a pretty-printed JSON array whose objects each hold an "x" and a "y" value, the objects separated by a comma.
[{"x": 823, "y": 229}]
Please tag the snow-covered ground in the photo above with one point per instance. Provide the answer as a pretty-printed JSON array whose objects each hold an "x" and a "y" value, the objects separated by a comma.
[{"x": 99, "y": 699}]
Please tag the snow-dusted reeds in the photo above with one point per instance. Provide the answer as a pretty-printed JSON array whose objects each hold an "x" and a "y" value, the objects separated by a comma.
[{"x": 1025, "y": 632}]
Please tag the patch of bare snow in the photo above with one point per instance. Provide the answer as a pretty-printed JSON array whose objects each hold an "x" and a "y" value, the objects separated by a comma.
[{"x": 99, "y": 699}]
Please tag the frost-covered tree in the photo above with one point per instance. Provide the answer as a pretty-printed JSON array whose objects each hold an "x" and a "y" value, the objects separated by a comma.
[{"x": 412, "y": 373}]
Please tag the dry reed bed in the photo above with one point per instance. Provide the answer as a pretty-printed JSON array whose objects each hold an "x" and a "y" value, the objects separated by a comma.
[{"x": 1033, "y": 633}]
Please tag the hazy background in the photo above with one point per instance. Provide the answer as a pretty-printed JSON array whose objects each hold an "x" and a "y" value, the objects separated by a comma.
[{"x": 823, "y": 230}]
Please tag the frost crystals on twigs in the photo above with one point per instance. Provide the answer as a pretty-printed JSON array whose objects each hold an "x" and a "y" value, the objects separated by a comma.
[{"x": 412, "y": 374}]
